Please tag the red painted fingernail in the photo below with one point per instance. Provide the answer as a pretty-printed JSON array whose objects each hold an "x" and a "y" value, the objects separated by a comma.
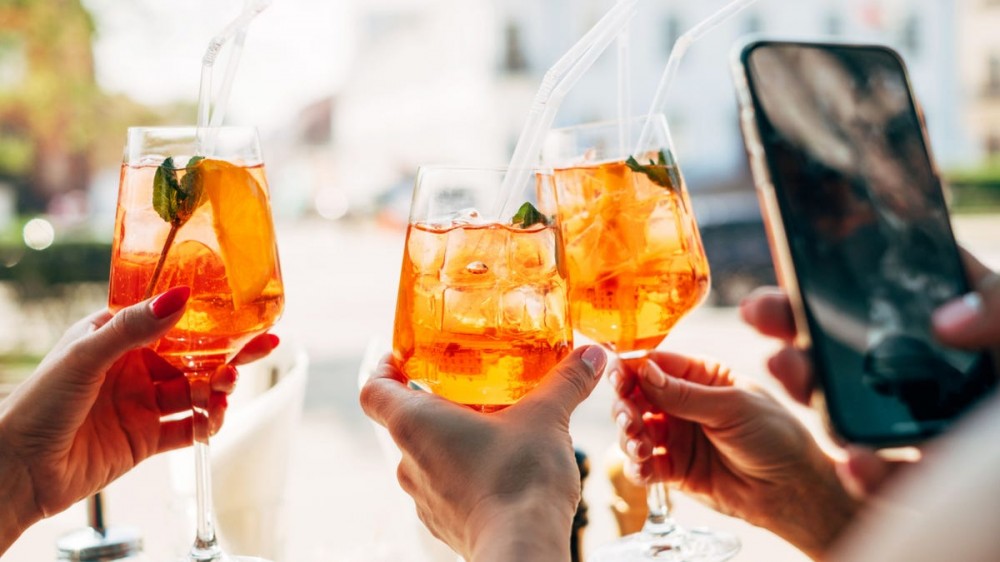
[
  {"x": 170, "y": 302},
  {"x": 275, "y": 340}
]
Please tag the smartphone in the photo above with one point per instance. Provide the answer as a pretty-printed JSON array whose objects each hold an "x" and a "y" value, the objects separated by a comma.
[{"x": 859, "y": 233}]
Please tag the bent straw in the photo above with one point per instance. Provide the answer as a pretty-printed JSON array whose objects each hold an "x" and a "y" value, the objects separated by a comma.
[
  {"x": 562, "y": 76},
  {"x": 238, "y": 28},
  {"x": 680, "y": 47}
]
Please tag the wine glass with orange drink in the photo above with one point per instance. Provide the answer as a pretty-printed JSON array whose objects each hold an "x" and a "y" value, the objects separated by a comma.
[
  {"x": 194, "y": 210},
  {"x": 636, "y": 266},
  {"x": 482, "y": 312}
]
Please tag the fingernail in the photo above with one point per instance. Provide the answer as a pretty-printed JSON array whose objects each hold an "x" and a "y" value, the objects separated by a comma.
[
  {"x": 615, "y": 378},
  {"x": 960, "y": 313},
  {"x": 170, "y": 302},
  {"x": 275, "y": 340},
  {"x": 653, "y": 374},
  {"x": 632, "y": 447},
  {"x": 596, "y": 358},
  {"x": 622, "y": 420}
]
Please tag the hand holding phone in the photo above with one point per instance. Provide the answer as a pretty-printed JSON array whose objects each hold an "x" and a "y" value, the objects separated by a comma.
[{"x": 860, "y": 235}]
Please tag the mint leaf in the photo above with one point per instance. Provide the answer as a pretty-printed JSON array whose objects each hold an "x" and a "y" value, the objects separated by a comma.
[
  {"x": 175, "y": 201},
  {"x": 658, "y": 172},
  {"x": 528, "y": 216}
]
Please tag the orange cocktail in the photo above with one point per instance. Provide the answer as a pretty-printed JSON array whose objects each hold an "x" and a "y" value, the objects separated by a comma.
[
  {"x": 482, "y": 311},
  {"x": 635, "y": 259},
  {"x": 221, "y": 245}
]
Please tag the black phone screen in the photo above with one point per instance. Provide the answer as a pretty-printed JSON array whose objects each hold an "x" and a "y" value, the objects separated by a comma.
[{"x": 869, "y": 234}]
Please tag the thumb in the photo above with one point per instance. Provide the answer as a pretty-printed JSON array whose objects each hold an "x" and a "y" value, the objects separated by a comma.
[
  {"x": 711, "y": 406},
  {"x": 132, "y": 327},
  {"x": 972, "y": 321},
  {"x": 567, "y": 384}
]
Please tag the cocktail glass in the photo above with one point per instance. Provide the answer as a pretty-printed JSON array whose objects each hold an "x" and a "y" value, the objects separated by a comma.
[
  {"x": 482, "y": 312},
  {"x": 636, "y": 267},
  {"x": 194, "y": 210}
]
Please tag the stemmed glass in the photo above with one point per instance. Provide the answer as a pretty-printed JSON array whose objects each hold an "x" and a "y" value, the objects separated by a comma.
[
  {"x": 482, "y": 311},
  {"x": 194, "y": 210},
  {"x": 636, "y": 266}
]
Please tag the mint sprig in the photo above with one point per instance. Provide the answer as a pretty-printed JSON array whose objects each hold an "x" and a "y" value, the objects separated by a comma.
[
  {"x": 657, "y": 171},
  {"x": 528, "y": 216},
  {"x": 175, "y": 201}
]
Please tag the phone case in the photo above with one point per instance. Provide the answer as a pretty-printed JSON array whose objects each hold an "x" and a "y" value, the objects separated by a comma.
[{"x": 774, "y": 224}]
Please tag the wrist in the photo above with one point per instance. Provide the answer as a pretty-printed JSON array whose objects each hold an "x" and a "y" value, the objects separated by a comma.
[
  {"x": 530, "y": 528},
  {"x": 18, "y": 511},
  {"x": 815, "y": 510}
]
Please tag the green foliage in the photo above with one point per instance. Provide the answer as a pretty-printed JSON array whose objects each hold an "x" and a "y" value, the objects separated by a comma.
[
  {"x": 16, "y": 155},
  {"x": 38, "y": 273}
]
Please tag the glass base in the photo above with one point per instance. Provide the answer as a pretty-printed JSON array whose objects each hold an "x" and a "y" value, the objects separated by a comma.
[
  {"x": 224, "y": 558},
  {"x": 680, "y": 545}
]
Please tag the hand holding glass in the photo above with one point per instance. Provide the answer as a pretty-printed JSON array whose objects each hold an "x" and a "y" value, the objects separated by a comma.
[
  {"x": 199, "y": 217},
  {"x": 636, "y": 267}
]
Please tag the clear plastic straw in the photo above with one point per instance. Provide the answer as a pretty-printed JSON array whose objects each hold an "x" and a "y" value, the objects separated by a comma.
[
  {"x": 556, "y": 83},
  {"x": 624, "y": 89},
  {"x": 683, "y": 43},
  {"x": 213, "y": 114}
]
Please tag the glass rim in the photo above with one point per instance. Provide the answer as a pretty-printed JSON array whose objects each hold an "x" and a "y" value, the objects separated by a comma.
[{"x": 609, "y": 123}]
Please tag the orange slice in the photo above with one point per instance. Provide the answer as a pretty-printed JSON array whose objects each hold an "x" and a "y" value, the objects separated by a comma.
[{"x": 241, "y": 217}]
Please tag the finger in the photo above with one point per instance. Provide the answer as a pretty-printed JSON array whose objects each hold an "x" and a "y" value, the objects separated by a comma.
[
  {"x": 173, "y": 396},
  {"x": 623, "y": 380},
  {"x": 698, "y": 371},
  {"x": 973, "y": 267},
  {"x": 792, "y": 368},
  {"x": 677, "y": 397},
  {"x": 650, "y": 470},
  {"x": 864, "y": 472},
  {"x": 132, "y": 327},
  {"x": 257, "y": 348},
  {"x": 385, "y": 392},
  {"x": 175, "y": 434},
  {"x": 224, "y": 379},
  {"x": 972, "y": 321},
  {"x": 159, "y": 369},
  {"x": 769, "y": 311},
  {"x": 635, "y": 447},
  {"x": 217, "y": 405},
  {"x": 567, "y": 384},
  {"x": 627, "y": 417}
]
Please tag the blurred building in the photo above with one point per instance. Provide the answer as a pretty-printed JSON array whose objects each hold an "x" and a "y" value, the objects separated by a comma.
[
  {"x": 451, "y": 80},
  {"x": 979, "y": 61}
]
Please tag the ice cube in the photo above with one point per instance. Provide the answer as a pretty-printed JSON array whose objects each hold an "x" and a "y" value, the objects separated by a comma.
[
  {"x": 466, "y": 216},
  {"x": 522, "y": 310},
  {"x": 532, "y": 255},
  {"x": 582, "y": 253},
  {"x": 469, "y": 311},
  {"x": 556, "y": 308},
  {"x": 426, "y": 250},
  {"x": 428, "y": 301},
  {"x": 475, "y": 256},
  {"x": 664, "y": 233}
]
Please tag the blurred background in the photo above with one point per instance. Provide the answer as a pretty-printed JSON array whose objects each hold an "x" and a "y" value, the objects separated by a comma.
[{"x": 351, "y": 96}]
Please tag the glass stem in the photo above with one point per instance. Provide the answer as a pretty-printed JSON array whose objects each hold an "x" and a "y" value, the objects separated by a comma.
[
  {"x": 206, "y": 546},
  {"x": 658, "y": 521}
]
